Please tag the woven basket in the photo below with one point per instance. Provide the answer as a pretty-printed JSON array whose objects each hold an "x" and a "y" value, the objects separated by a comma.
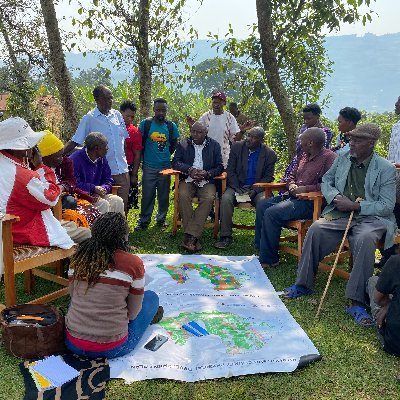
[{"x": 30, "y": 341}]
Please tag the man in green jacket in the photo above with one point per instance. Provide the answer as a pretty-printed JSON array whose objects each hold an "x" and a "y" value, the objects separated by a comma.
[{"x": 360, "y": 181}]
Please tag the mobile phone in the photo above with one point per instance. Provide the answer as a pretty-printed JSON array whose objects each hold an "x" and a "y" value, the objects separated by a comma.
[{"x": 155, "y": 343}]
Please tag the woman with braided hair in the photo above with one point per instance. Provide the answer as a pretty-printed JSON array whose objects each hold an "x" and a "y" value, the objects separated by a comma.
[{"x": 109, "y": 309}]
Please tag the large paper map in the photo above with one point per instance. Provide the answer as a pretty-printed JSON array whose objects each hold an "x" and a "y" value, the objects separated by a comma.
[{"x": 251, "y": 331}]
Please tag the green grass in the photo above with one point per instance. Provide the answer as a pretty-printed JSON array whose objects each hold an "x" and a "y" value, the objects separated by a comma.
[{"x": 353, "y": 365}]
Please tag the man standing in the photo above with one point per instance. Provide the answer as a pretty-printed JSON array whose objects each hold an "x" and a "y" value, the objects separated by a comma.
[
  {"x": 159, "y": 137},
  {"x": 359, "y": 181},
  {"x": 199, "y": 159},
  {"x": 222, "y": 125},
  {"x": 133, "y": 150},
  {"x": 250, "y": 161},
  {"x": 93, "y": 174},
  {"x": 272, "y": 214},
  {"x": 241, "y": 119},
  {"x": 110, "y": 123}
]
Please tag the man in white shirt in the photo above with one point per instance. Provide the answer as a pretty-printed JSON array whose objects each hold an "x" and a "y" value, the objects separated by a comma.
[
  {"x": 104, "y": 119},
  {"x": 198, "y": 158},
  {"x": 222, "y": 125}
]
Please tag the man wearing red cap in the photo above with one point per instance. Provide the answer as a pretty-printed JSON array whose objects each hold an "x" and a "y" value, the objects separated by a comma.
[{"x": 222, "y": 125}]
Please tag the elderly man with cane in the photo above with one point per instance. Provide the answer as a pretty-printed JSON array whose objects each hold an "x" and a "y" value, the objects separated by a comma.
[{"x": 356, "y": 174}]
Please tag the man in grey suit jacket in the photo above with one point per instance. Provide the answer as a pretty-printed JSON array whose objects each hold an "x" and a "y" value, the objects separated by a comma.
[
  {"x": 250, "y": 161},
  {"x": 356, "y": 174}
]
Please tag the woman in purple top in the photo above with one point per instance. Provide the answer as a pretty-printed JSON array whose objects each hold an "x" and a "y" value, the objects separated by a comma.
[{"x": 311, "y": 114}]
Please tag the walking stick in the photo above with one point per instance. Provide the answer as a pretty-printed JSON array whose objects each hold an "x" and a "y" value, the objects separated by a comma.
[{"x": 336, "y": 261}]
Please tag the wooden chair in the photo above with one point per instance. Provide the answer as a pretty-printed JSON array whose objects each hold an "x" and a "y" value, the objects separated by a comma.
[
  {"x": 27, "y": 259},
  {"x": 299, "y": 226},
  {"x": 176, "y": 221}
]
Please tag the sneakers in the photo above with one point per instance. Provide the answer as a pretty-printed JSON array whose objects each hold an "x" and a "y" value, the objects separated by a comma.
[{"x": 223, "y": 242}]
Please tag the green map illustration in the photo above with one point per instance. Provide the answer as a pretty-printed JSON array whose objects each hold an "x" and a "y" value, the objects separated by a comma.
[
  {"x": 236, "y": 332},
  {"x": 220, "y": 277}
]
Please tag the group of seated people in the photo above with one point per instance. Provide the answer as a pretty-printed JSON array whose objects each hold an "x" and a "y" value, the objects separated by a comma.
[{"x": 351, "y": 177}]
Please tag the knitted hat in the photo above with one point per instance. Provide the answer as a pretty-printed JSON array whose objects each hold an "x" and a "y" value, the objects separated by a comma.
[
  {"x": 219, "y": 95},
  {"x": 367, "y": 131},
  {"x": 16, "y": 134},
  {"x": 50, "y": 144}
]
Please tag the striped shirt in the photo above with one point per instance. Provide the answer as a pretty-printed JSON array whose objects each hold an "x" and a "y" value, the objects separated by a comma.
[
  {"x": 98, "y": 316},
  {"x": 222, "y": 128}
]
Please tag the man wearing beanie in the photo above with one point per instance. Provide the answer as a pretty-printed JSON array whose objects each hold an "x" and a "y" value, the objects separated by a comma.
[
  {"x": 360, "y": 181},
  {"x": 51, "y": 148}
]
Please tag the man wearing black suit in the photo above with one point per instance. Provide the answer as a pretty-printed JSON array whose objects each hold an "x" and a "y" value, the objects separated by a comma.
[{"x": 250, "y": 161}]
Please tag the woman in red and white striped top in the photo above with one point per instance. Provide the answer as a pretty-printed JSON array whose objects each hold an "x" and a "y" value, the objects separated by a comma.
[{"x": 109, "y": 309}]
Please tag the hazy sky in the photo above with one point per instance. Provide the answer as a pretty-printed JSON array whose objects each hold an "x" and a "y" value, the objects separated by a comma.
[{"x": 215, "y": 15}]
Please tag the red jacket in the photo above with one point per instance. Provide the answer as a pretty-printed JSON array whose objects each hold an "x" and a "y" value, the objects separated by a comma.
[{"x": 30, "y": 195}]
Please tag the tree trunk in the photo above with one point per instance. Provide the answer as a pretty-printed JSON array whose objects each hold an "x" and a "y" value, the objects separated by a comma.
[
  {"x": 16, "y": 68},
  {"x": 278, "y": 91},
  {"x": 59, "y": 68},
  {"x": 145, "y": 75}
]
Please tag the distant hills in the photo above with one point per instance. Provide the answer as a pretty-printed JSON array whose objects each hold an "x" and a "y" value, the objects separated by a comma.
[{"x": 366, "y": 70}]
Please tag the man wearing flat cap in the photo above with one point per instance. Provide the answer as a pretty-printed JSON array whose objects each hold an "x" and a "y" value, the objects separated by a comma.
[{"x": 360, "y": 181}]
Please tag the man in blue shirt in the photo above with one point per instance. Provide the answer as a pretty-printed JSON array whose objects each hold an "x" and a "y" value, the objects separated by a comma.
[
  {"x": 104, "y": 119},
  {"x": 159, "y": 141}
]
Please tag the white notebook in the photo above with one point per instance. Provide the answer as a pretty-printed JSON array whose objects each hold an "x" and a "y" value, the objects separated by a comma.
[{"x": 56, "y": 370}]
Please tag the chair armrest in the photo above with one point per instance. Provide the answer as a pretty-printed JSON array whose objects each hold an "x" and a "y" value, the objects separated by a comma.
[
  {"x": 9, "y": 218},
  {"x": 310, "y": 195},
  {"x": 270, "y": 185},
  {"x": 114, "y": 189},
  {"x": 169, "y": 172},
  {"x": 317, "y": 198}
]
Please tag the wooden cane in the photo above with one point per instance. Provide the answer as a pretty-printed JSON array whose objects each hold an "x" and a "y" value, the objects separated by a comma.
[{"x": 336, "y": 261}]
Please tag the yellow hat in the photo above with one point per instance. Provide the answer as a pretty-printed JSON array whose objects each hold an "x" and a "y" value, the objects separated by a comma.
[{"x": 50, "y": 144}]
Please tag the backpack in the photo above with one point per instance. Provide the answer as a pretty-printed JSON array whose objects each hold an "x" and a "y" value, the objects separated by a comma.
[{"x": 147, "y": 125}]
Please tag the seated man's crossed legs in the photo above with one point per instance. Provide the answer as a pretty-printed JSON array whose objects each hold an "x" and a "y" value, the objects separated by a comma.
[
  {"x": 228, "y": 202},
  {"x": 322, "y": 238},
  {"x": 193, "y": 219},
  {"x": 271, "y": 216}
]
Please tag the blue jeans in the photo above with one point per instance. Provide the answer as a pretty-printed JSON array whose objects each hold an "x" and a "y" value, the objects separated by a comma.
[
  {"x": 271, "y": 216},
  {"x": 136, "y": 329}
]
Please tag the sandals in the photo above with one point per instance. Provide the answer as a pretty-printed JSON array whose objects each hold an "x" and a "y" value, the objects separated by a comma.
[
  {"x": 295, "y": 291},
  {"x": 360, "y": 315}
]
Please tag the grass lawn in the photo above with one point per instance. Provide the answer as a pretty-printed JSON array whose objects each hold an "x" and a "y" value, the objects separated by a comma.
[{"x": 353, "y": 365}]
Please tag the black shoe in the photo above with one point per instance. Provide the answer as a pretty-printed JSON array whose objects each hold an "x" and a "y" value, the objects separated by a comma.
[
  {"x": 141, "y": 227},
  {"x": 162, "y": 224},
  {"x": 223, "y": 242}
]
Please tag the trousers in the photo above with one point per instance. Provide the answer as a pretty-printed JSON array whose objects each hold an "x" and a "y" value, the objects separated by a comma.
[
  {"x": 324, "y": 236},
  {"x": 193, "y": 219},
  {"x": 271, "y": 216},
  {"x": 153, "y": 183}
]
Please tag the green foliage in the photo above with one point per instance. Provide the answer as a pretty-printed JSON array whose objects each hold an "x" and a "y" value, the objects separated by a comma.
[
  {"x": 93, "y": 77},
  {"x": 385, "y": 121},
  {"x": 218, "y": 73}
]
